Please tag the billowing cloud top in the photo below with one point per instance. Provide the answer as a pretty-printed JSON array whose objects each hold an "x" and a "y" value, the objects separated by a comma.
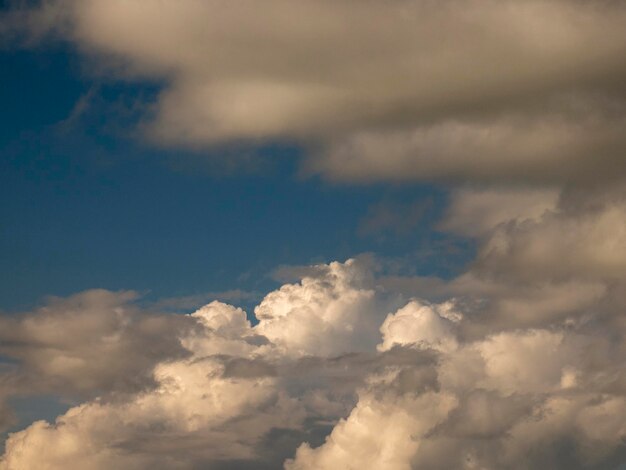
[{"x": 398, "y": 383}]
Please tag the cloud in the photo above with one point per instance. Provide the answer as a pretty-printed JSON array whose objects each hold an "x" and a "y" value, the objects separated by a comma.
[
  {"x": 89, "y": 343},
  {"x": 542, "y": 256},
  {"x": 208, "y": 376},
  {"x": 538, "y": 147},
  {"x": 354, "y": 443},
  {"x": 192, "y": 403},
  {"x": 474, "y": 90},
  {"x": 475, "y": 212},
  {"x": 582, "y": 242},
  {"x": 194, "y": 414},
  {"x": 192, "y": 302},
  {"x": 497, "y": 303},
  {"x": 338, "y": 373},
  {"x": 332, "y": 313},
  {"x": 424, "y": 326},
  {"x": 522, "y": 399}
]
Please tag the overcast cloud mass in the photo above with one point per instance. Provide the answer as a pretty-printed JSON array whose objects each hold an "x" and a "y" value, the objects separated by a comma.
[{"x": 517, "y": 363}]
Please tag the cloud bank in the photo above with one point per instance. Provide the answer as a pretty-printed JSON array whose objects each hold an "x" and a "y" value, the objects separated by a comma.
[
  {"x": 338, "y": 373},
  {"x": 477, "y": 90}
]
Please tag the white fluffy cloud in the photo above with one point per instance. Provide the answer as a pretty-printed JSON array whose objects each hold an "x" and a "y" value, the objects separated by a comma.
[
  {"x": 335, "y": 312},
  {"x": 193, "y": 413},
  {"x": 214, "y": 394},
  {"x": 379, "y": 433},
  {"x": 325, "y": 380},
  {"x": 515, "y": 399},
  {"x": 424, "y": 326}
]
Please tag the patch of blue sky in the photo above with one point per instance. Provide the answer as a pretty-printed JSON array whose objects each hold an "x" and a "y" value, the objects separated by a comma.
[{"x": 85, "y": 202}]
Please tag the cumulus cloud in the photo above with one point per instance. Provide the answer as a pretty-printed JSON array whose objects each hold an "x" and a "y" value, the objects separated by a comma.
[
  {"x": 354, "y": 443},
  {"x": 339, "y": 374},
  {"x": 192, "y": 413},
  {"x": 88, "y": 343},
  {"x": 406, "y": 89},
  {"x": 339, "y": 309},
  {"x": 516, "y": 399},
  {"x": 421, "y": 325},
  {"x": 207, "y": 377},
  {"x": 543, "y": 256}
]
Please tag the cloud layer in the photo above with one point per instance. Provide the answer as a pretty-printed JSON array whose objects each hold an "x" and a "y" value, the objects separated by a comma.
[
  {"x": 338, "y": 373},
  {"x": 481, "y": 90}
]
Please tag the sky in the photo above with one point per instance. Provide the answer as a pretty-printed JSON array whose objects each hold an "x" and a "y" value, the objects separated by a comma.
[
  {"x": 85, "y": 206},
  {"x": 312, "y": 234},
  {"x": 88, "y": 204}
]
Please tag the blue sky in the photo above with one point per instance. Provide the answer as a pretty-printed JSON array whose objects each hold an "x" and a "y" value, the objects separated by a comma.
[{"x": 87, "y": 204}]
